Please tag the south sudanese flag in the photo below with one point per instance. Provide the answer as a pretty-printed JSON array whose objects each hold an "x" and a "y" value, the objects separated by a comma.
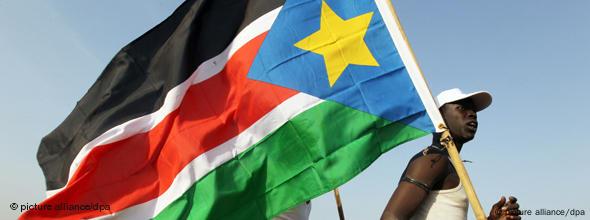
[{"x": 237, "y": 110}]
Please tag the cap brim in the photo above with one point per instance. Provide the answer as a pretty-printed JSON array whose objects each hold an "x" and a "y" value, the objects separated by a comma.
[{"x": 481, "y": 100}]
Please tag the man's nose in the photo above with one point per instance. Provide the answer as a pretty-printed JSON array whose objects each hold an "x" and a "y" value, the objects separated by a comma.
[{"x": 471, "y": 114}]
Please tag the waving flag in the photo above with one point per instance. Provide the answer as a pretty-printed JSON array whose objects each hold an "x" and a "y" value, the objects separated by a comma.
[{"x": 237, "y": 110}]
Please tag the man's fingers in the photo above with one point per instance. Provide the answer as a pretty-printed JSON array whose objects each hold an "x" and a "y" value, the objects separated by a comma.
[
  {"x": 501, "y": 202},
  {"x": 512, "y": 206},
  {"x": 512, "y": 199},
  {"x": 513, "y": 212},
  {"x": 513, "y": 217}
]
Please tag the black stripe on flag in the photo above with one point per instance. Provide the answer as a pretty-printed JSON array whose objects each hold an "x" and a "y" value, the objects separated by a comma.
[{"x": 138, "y": 78}]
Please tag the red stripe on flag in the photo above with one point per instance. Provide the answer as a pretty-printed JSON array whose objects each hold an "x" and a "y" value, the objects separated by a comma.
[{"x": 142, "y": 167}]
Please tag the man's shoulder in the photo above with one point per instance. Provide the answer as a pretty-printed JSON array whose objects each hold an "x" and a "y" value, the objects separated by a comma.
[
  {"x": 430, "y": 161},
  {"x": 430, "y": 153}
]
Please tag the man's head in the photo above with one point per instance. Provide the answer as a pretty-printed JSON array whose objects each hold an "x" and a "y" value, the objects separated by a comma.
[{"x": 459, "y": 110}]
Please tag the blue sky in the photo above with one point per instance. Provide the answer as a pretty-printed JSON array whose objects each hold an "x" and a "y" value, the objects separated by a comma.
[{"x": 532, "y": 55}]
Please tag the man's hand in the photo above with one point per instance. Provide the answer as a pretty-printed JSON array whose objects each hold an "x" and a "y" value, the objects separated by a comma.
[{"x": 505, "y": 210}]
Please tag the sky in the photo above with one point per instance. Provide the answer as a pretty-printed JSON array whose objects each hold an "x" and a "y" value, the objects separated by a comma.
[{"x": 532, "y": 55}]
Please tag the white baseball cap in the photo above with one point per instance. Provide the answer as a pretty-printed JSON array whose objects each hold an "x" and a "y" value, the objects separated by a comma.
[{"x": 481, "y": 99}]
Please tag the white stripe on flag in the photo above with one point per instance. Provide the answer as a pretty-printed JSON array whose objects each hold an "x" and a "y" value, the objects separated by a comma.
[
  {"x": 174, "y": 97},
  {"x": 217, "y": 156}
]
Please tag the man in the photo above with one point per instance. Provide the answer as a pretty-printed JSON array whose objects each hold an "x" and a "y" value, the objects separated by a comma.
[{"x": 429, "y": 187}]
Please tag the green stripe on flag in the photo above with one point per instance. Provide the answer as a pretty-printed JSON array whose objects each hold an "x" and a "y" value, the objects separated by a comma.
[{"x": 318, "y": 150}]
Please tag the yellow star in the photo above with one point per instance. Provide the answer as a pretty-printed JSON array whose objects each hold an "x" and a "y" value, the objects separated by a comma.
[{"x": 340, "y": 42}]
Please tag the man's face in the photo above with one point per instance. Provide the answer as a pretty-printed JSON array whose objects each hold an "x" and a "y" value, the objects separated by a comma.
[{"x": 461, "y": 119}]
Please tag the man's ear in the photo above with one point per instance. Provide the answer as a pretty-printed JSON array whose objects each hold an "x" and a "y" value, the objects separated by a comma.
[
  {"x": 442, "y": 112},
  {"x": 442, "y": 109}
]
